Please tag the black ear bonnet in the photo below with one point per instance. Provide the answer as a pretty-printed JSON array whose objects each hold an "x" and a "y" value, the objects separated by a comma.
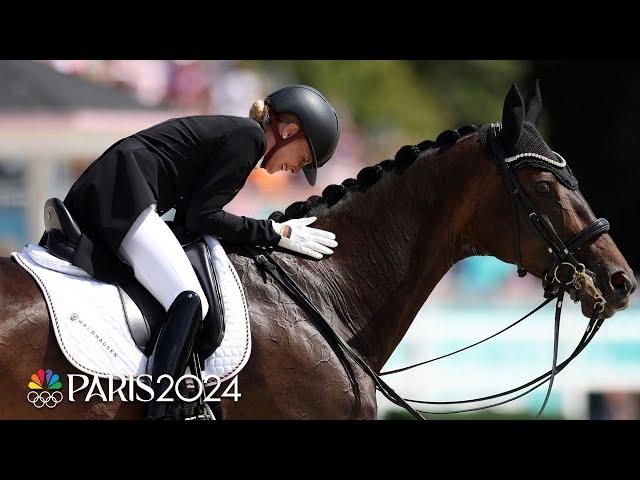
[{"x": 530, "y": 141}]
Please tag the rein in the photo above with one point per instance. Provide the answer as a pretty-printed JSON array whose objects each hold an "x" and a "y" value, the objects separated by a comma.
[
  {"x": 265, "y": 262},
  {"x": 565, "y": 272}
]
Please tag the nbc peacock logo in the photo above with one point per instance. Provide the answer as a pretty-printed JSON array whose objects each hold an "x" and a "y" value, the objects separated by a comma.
[{"x": 44, "y": 389}]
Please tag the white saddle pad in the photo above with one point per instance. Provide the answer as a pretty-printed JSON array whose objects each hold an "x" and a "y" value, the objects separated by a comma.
[{"x": 90, "y": 324}]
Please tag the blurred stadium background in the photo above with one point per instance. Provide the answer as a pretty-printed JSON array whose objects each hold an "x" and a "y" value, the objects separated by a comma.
[{"x": 57, "y": 116}]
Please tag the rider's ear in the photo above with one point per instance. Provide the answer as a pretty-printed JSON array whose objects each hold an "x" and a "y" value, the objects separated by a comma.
[
  {"x": 533, "y": 103},
  {"x": 291, "y": 129},
  {"x": 512, "y": 118}
]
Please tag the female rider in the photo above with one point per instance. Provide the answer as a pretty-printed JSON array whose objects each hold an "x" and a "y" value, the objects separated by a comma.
[{"x": 197, "y": 165}]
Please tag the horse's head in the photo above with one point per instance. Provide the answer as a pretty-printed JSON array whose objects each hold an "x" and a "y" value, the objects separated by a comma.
[{"x": 551, "y": 190}]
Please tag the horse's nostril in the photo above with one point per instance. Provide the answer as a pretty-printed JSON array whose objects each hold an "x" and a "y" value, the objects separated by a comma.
[{"x": 619, "y": 281}]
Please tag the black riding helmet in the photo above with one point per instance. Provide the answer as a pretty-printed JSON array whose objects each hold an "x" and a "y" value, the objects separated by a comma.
[{"x": 318, "y": 118}]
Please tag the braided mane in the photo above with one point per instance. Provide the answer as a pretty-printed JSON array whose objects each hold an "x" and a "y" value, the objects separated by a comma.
[{"x": 370, "y": 175}]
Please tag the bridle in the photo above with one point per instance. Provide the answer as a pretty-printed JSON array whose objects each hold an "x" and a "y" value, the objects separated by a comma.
[
  {"x": 565, "y": 272},
  {"x": 566, "y": 269}
]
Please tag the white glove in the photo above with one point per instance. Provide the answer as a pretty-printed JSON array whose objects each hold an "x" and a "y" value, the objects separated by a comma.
[{"x": 296, "y": 236}]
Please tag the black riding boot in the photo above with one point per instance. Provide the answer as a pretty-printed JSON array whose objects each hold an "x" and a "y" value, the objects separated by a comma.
[{"x": 173, "y": 347}]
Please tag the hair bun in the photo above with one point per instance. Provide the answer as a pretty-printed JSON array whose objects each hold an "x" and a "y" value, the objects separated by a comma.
[{"x": 258, "y": 111}]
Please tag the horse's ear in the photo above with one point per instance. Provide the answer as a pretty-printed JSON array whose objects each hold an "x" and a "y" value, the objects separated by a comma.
[
  {"x": 533, "y": 103},
  {"x": 512, "y": 118}
]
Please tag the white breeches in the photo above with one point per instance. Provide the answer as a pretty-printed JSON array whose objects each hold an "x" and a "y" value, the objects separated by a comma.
[{"x": 158, "y": 260}]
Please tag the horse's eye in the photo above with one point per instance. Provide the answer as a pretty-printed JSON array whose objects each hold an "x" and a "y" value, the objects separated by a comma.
[{"x": 542, "y": 187}]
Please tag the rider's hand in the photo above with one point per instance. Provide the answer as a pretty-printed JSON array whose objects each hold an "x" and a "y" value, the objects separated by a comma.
[{"x": 296, "y": 236}]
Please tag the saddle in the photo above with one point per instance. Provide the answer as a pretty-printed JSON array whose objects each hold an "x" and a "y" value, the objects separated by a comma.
[{"x": 145, "y": 315}]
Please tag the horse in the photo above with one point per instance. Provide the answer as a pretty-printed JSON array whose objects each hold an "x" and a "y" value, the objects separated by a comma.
[{"x": 401, "y": 225}]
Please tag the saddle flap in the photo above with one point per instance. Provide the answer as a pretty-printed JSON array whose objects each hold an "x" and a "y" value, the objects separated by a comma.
[
  {"x": 213, "y": 324},
  {"x": 145, "y": 315},
  {"x": 136, "y": 322}
]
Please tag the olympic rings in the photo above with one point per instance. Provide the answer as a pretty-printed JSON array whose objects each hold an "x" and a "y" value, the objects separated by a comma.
[{"x": 40, "y": 399}]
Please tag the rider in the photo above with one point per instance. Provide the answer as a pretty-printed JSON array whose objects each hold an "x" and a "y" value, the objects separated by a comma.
[{"x": 196, "y": 164}]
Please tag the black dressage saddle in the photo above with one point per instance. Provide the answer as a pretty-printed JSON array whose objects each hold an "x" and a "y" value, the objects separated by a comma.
[{"x": 145, "y": 315}]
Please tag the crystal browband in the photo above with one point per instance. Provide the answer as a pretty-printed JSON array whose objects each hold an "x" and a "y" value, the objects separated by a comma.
[{"x": 555, "y": 163}]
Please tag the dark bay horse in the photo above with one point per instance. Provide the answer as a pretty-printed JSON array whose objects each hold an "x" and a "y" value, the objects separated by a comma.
[{"x": 400, "y": 225}]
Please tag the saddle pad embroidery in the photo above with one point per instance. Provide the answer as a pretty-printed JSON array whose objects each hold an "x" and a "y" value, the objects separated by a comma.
[{"x": 90, "y": 326}]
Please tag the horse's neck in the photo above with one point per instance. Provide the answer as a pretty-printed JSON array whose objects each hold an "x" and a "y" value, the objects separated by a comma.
[{"x": 396, "y": 241}]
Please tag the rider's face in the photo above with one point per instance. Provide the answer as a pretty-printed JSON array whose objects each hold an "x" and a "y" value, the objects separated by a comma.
[{"x": 293, "y": 156}]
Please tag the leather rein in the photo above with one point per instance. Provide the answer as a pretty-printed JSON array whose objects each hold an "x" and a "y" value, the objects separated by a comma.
[{"x": 566, "y": 272}]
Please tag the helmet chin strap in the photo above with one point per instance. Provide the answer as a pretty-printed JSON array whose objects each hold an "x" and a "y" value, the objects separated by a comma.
[{"x": 280, "y": 142}]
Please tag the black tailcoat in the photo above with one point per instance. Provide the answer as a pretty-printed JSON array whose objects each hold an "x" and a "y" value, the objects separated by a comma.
[{"x": 194, "y": 164}]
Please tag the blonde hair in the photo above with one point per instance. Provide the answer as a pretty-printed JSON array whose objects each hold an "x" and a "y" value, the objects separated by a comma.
[{"x": 259, "y": 112}]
